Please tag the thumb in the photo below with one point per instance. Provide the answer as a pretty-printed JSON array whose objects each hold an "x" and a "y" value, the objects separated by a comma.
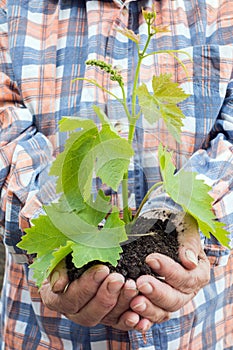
[
  {"x": 189, "y": 242},
  {"x": 58, "y": 278}
]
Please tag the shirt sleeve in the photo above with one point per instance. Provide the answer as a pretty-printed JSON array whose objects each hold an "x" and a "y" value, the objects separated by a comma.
[{"x": 25, "y": 153}]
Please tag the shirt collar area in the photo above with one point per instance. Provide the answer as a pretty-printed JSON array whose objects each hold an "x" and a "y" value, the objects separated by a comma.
[{"x": 123, "y": 3}]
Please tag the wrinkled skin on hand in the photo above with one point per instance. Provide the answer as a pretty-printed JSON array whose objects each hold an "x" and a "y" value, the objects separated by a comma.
[
  {"x": 102, "y": 297},
  {"x": 96, "y": 297}
]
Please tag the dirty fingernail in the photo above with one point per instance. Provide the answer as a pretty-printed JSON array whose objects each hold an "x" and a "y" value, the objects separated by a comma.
[
  {"x": 153, "y": 262},
  {"x": 54, "y": 278},
  {"x": 191, "y": 256},
  {"x": 100, "y": 275}
]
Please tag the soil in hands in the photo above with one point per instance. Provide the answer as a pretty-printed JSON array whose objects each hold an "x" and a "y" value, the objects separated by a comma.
[{"x": 149, "y": 237}]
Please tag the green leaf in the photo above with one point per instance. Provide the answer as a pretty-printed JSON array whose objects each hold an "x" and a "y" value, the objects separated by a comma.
[
  {"x": 87, "y": 151},
  {"x": 166, "y": 90},
  {"x": 103, "y": 118},
  {"x": 73, "y": 220},
  {"x": 75, "y": 228},
  {"x": 149, "y": 104},
  {"x": 60, "y": 254},
  {"x": 193, "y": 195},
  {"x": 75, "y": 162},
  {"x": 42, "y": 238},
  {"x": 44, "y": 265},
  {"x": 60, "y": 232},
  {"x": 96, "y": 210},
  {"x": 72, "y": 123},
  {"x": 40, "y": 268},
  {"x": 163, "y": 103},
  {"x": 83, "y": 254},
  {"x": 113, "y": 155}
]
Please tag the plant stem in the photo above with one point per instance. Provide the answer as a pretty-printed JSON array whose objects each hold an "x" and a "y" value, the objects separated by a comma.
[
  {"x": 157, "y": 184},
  {"x": 126, "y": 216},
  {"x": 141, "y": 55},
  {"x": 132, "y": 122}
]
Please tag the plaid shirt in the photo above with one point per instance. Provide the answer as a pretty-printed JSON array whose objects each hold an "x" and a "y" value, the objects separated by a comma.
[{"x": 43, "y": 46}]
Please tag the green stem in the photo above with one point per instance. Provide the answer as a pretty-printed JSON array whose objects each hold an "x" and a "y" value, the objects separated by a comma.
[
  {"x": 126, "y": 216},
  {"x": 141, "y": 55},
  {"x": 132, "y": 121},
  {"x": 157, "y": 184},
  {"x": 124, "y": 103},
  {"x": 172, "y": 53}
]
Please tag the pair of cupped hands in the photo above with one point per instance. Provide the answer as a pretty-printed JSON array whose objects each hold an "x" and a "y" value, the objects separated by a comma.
[{"x": 99, "y": 296}]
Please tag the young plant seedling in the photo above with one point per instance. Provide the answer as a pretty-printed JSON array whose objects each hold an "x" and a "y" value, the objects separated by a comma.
[{"x": 71, "y": 225}]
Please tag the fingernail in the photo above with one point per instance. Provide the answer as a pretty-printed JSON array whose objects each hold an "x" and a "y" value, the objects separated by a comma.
[
  {"x": 130, "y": 286},
  {"x": 100, "y": 275},
  {"x": 153, "y": 262},
  {"x": 145, "y": 328},
  {"x": 145, "y": 288},
  {"x": 130, "y": 293},
  {"x": 54, "y": 278},
  {"x": 191, "y": 256},
  {"x": 115, "y": 286},
  {"x": 130, "y": 323},
  {"x": 140, "y": 307}
]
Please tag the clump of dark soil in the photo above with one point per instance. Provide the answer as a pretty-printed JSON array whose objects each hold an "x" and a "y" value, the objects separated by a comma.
[{"x": 149, "y": 236}]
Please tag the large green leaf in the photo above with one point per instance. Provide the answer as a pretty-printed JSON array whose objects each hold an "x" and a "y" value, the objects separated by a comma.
[
  {"x": 193, "y": 195},
  {"x": 75, "y": 228},
  {"x": 68, "y": 163},
  {"x": 43, "y": 237},
  {"x": 71, "y": 224},
  {"x": 90, "y": 151},
  {"x": 60, "y": 232}
]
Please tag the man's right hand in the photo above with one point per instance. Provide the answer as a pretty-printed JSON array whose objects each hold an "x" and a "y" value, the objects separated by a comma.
[{"x": 96, "y": 297}]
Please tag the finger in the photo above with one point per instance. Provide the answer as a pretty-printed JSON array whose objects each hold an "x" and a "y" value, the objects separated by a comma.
[
  {"x": 189, "y": 242},
  {"x": 147, "y": 310},
  {"x": 143, "y": 325},
  {"x": 79, "y": 293},
  {"x": 177, "y": 276},
  {"x": 126, "y": 322},
  {"x": 128, "y": 292},
  {"x": 131, "y": 320},
  {"x": 102, "y": 302},
  {"x": 161, "y": 295},
  {"x": 59, "y": 278}
]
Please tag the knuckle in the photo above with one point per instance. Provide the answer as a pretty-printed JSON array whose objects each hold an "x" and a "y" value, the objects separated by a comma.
[
  {"x": 104, "y": 302},
  {"x": 109, "y": 320},
  {"x": 178, "y": 302},
  {"x": 158, "y": 316},
  {"x": 107, "y": 304},
  {"x": 162, "y": 317},
  {"x": 85, "y": 293},
  {"x": 205, "y": 280}
]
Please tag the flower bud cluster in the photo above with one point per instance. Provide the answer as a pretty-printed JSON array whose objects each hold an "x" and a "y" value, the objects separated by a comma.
[
  {"x": 114, "y": 73},
  {"x": 149, "y": 16}
]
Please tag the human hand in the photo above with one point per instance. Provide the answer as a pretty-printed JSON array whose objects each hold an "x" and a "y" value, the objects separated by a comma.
[
  {"x": 157, "y": 299},
  {"x": 96, "y": 297}
]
